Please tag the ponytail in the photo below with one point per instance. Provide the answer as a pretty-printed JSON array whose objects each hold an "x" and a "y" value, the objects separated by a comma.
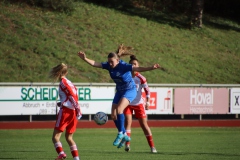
[
  {"x": 121, "y": 51},
  {"x": 58, "y": 71},
  {"x": 124, "y": 51}
]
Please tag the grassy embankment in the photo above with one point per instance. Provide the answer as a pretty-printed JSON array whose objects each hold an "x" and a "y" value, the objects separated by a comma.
[{"x": 32, "y": 40}]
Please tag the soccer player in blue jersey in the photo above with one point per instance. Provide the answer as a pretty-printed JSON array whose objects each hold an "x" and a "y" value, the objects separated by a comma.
[{"x": 126, "y": 92}]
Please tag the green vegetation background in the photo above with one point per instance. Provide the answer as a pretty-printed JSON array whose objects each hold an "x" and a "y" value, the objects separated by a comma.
[{"x": 32, "y": 40}]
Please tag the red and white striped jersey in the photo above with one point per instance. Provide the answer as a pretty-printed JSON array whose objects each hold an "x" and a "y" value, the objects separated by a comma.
[
  {"x": 141, "y": 83},
  {"x": 68, "y": 95}
]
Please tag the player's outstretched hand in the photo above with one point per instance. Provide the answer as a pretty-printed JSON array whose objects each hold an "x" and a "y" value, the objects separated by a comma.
[
  {"x": 147, "y": 104},
  {"x": 79, "y": 117},
  {"x": 78, "y": 112},
  {"x": 82, "y": 55},
  {"x": 156, "y": 66}
]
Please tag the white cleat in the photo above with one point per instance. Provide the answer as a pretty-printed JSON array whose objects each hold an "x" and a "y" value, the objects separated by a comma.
[
  {"x": 153, "y": 150},
  {"x": 127, "y": 148}
]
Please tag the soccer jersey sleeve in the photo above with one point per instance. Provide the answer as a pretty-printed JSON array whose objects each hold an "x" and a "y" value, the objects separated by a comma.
[
  {"x": 71, "y": 93},
  {"x": 127, "y": 67},
  {"x": 144, "y": 85},
  {"x": 105, "y": 65},
  {"x": 146, "y": 89}
]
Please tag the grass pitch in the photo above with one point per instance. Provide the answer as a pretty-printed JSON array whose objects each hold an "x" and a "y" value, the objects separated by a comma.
[{"x": 96, "y": 144}]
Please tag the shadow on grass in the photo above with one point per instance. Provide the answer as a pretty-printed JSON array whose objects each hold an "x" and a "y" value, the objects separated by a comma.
[
  {"x": 23, "y": 151},
  {"x": 221, "y": 26},
  {"x": 172, "y": 19},
  {"x": 188, "y": 153},
  {"x": 155, "y": 16},
  {"x": 25, "y": 158},
  {"x": 179, "y": 154}
]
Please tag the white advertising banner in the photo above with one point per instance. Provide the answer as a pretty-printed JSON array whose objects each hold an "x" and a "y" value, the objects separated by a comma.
[
  {"x": 42, "y": 100},
  {"x": 34, "y": 100},
  {"x": 235, "y": 101},
  {"x": 160, "y": 101}
]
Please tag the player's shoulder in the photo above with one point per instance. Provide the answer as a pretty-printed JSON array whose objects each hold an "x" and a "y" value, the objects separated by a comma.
[
  {"x": 65, "y": 81},
  {"x": 104, "y": 63},
  {"x": 141, "y": 77},
  {"x": 122, "y": 62}
]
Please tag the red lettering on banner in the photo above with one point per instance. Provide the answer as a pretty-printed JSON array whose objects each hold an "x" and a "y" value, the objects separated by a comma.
[{"x": 153, "y": 99}]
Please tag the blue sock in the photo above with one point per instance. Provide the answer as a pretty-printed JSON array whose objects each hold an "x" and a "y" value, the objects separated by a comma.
[{"x": 120, "y": 120}]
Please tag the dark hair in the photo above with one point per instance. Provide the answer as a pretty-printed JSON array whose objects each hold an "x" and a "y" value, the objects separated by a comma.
[
  {"x": 112, "y": 54},
  {"x": 132, "y": 58}
]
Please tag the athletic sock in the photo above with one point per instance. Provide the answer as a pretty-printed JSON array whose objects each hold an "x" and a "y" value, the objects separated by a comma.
[
  {"x": 74, "y": 151},
  {"x": 150, "y": 140},
  {"x": 76, "y": 158},
  {"x": 116, "y": 124},
  {"x": 58, "y": 147},
  {"x": 120, "y": 120},
  {"x": 129, "y": 135}
]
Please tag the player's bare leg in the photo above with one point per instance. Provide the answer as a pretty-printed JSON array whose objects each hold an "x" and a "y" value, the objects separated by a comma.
[
  {"x": 72, "y": 145},
  {"x": 128, "y": 124},
  {"x": 147, "y": 131},
  {"x": 121, "y": 137},
  {"x": 58, "y": 145}
]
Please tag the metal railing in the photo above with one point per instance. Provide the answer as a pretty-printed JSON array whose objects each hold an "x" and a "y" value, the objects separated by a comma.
[{"x": 113, "y": 84}]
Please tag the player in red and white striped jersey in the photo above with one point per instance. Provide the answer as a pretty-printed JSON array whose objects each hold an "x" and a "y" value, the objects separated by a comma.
[
  {"x": 68, "y": 114},
  {"x": 139, "y": 106}
]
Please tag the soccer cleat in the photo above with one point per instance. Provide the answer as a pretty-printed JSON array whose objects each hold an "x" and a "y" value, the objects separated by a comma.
[
  {"x": 127, "y": 148},
  {"x": 153, "y": 150},
  {"x": 123, "y": 141},
  {"x": 61, "y": 156},
  {"x": 118, "y": 139}
]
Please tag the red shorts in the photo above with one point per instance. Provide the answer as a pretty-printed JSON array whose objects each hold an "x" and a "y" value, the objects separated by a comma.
[
  {"x": 66, "y": 119},
  {"x": 139, "y": 111}
]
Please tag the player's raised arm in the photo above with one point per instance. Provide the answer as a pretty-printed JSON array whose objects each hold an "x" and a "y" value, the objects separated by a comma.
[
  {"x": 93, "y": 63},
  {"x": 143, "y": 69}
]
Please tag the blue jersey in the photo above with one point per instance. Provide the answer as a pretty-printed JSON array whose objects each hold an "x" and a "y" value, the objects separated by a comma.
[{"x": 121, "y": 75}]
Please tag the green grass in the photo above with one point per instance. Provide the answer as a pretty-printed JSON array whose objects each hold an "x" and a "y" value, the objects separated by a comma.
[
  {"x": 32, "y": 40},
  {"x": 96, "y": 144}
]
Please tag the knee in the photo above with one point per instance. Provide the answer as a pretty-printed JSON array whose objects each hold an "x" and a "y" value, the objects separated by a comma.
[
  {"x": 128, "y": 120},
  {"x": 143, "y": 123},
  {"x": 55, "y": 139},
  {"x": 128, "y": 124},
  {"x": 67, "y": 137},
  {"x": 119, "y": 111}
]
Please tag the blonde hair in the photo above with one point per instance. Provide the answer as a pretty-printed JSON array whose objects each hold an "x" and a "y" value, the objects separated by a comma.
[
  {"x": 121, "y": 51},
  {"x": 58, "y": 71},
  {"x": 124, "y": 51}
]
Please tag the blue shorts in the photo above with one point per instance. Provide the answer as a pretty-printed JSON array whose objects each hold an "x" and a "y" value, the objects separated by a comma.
[{"x": 130, "y": 95}]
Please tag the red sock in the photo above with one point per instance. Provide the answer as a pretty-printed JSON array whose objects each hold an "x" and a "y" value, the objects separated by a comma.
[
  {"x": 150, "y": 140},
  {"x": 74, "y": 151},
  {"x": 58, "y": 147},
  {"x": 129, "y": 135}
]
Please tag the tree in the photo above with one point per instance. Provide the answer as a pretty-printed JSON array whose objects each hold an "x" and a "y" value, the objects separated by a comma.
[{"x": 196, "y": 13}]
